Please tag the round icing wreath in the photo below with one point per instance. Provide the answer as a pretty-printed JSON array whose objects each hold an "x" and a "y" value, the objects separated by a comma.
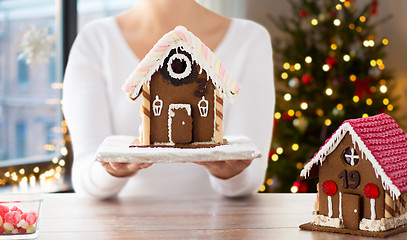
[{"x": 180, "y": 58}]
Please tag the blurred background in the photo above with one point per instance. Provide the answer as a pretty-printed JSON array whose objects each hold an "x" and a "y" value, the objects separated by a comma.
[{"x": 334, "y": 60}]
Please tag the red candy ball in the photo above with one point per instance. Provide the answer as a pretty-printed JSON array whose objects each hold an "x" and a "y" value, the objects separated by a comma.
[
  {"x": 371, "y": 191},
  {"x": 329, "y": 188}
]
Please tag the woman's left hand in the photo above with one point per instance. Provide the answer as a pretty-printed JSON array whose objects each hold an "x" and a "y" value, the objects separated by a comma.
[{"x": 226, "y": 169}]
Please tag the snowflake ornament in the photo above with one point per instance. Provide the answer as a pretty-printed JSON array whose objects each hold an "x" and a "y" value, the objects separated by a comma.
[{"x": 36, "y": 45}]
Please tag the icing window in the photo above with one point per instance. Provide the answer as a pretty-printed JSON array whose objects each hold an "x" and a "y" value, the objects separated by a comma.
[
  {"x": 350, "y": 156},
  {"x": 179, "y": 66}
]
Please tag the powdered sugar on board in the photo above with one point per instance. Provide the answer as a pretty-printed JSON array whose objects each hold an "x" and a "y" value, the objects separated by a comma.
[{"x": 116, "y": 149}]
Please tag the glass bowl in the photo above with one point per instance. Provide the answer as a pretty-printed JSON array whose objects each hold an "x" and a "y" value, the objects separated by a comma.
[{"x": 19, "y": 215}]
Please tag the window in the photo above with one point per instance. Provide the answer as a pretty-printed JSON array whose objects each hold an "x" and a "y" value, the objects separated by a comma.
[{"x": 30, "y": 91}]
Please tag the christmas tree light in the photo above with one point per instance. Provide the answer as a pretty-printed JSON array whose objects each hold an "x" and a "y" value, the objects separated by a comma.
[{"x": 332, "y": 68}]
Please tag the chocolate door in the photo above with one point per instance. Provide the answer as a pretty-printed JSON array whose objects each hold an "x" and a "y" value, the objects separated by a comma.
[
  {"x": 351, "y": 210},
  {"x": 180, "y": 123}
]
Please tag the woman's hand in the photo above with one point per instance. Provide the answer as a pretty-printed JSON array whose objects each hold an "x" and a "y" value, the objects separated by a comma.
[
  {"x": 124, "y": 169},
  {"x": 226, "y": 169}
]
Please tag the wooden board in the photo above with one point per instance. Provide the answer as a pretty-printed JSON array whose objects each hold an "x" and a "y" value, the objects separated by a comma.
[{"x": 388, "y": 233}]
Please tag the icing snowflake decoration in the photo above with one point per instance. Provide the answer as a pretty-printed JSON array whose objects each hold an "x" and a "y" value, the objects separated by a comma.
[{"x": 36, "y": 45}]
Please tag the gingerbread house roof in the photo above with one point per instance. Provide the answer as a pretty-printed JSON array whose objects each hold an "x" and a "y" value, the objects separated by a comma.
[
  {"x": 201, "y": 54},
  {"x": 381, "y": 141}
]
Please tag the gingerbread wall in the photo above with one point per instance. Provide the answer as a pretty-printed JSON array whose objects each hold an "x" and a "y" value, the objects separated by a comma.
[
  {"x": 191, "y": 93},
  {"x": 333, "y": 166}
]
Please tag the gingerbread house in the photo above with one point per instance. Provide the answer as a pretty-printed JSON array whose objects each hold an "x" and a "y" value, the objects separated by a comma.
[
  {"x": 183, "y": 85},
  {"x": 362, "y": 172}
]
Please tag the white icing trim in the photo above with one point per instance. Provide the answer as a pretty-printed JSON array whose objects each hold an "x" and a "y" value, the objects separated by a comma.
[
  {"x": 203, "y": 110},
  {"x": 340, "y": 206},
  {"x": 184, "y": 74},
  {"x": 383, "y": 224},
  {"x": 137, "y": 79},
  {"x": 171, "y": 114},
  {"x": 329, "y": 206},
  {"x": 157, "y": 108},
  {"x": 334, "y": 141},
  {"x": 372, "y": 209},
  {"x": 325, "y": 221}
]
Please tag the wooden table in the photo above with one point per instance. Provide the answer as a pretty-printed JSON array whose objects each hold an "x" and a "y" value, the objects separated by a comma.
[{"x": 263, "y": 216}]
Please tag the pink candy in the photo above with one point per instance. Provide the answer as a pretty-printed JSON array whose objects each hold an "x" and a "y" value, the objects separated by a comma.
[
  {"x": 30, "y": 217},
  {"x": 12, "y": 217}
]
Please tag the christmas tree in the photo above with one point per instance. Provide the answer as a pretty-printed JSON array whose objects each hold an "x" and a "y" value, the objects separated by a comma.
[{"x": 329, "y": 68}]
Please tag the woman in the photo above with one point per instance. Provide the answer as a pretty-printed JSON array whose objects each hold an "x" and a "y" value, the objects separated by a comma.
[{"x": 106, "y": 51}]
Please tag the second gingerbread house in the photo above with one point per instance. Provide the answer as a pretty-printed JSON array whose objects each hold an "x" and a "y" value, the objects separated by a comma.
[{"x": 362, "y": 172}]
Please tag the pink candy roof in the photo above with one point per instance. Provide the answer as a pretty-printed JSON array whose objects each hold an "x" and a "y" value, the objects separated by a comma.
[
  {"x": 201, "y": 54},
  {"x": 381, "y": 141}
]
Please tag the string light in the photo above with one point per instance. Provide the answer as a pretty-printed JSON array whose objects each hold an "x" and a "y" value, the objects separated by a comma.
[
  {"x": 328, "y": 122},
  {"x": 385, "y": 41},
  {"x": 299, "y": 165},
  {"x": 386, "y": 101},
  {"x": 365, "y": 115},
  {"x": 346, "y": 58},
  {"x": 262, "y": 188},
  {"x": 383, "y": 89},
  {"x": 308, "y": 59},
  {"x": 351, "y": 26},
  {"x": 325, "y": 67},
  {"x": 269, "y": 182},
  {"x": 320, "y": 112},
  {"x": 294, "y": 189},
  {"x": 352, "y": 77},
  {"x": 329, "y": 91},
  {"x": 274, "y": 157},
  {"x": 284, "y": 75},
  {"x": 314, "y": 22},
  {"x": 304, "y": 106},
  {"x": 359, "y": 29},
  {"x": 298, "y": 114},
  {"x": 279, "y": 150},
  {"x": 369, "y": 101},
  {"x": 337, "y": 22},
  {"x": 334, "y": 46},
  {"x": 291, "y": 112},
  {"x": 390, "y": 107},
  {"x": 286, "y": 66},
  {"x": 277, "y": 115},
  {"x": 287, "y": 97},
  {"x": 295, "y": 147},
  {"x": 355, "y": 99},
  {"x": 297, "y": 66},
  {"x": 362, "y": 18},
  {"x": 339, "y": 106},
  {"x": 36, "y": 170},
  {"x": 373, "y": 63},
  {"x": 338, "y": 7}
]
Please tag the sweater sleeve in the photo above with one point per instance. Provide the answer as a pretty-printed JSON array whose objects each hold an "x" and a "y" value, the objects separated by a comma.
[
  {"x": 252, "y": 113},
  {"x": 87, "y": 113}
]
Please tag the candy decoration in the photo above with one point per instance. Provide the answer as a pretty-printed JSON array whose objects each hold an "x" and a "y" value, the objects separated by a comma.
[
  {"x": 371, "y": 191},
  {"x": 329, "y": 188},
  {"x": 3, "y": 210},
  {"x": 12, "y": 217},
  {"x": 219, "y": 118}
]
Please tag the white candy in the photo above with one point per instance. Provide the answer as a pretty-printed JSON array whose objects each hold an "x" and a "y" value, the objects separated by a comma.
[
  {"x": 8, "y": 226},
  {"x": 23, "y": 224}
]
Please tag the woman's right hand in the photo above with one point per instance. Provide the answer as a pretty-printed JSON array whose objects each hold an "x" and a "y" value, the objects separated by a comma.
[{"x": 118, "y": 169}]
